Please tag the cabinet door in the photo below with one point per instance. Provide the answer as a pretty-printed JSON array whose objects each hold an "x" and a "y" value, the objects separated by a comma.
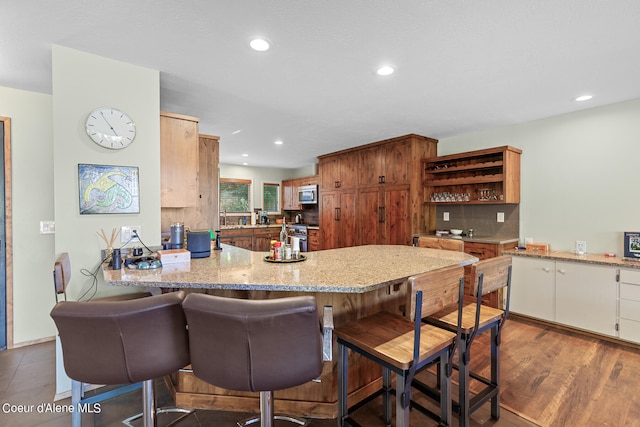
[
  {"x": 629, "y": 308},
  {"x": 244, "y": 242},
  {"x": 347, "y": 229},
  {"x": 329, "y": 171},
  {"x": 290, "y": 194},
  {"x": 178, "y": 161},
  {"x": 371, "y": 166},
  {"x": 397, "y": 163},
  {"x": 481, "y": 250},
  {"x": 329, "y": 204},
  {"x": 348, "y": 171},
  {"x": 369, "y": 216},
  {"x": 533, "y": 288},
  {"x": 396, "y": 209},
  {"x": 586, "y": 297}
]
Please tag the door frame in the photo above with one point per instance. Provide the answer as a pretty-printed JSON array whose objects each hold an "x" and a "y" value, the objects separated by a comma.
[{"x": 6, "y": 123}]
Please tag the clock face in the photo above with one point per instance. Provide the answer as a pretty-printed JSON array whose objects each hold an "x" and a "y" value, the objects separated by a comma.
[{"x": 110, "y": 128}]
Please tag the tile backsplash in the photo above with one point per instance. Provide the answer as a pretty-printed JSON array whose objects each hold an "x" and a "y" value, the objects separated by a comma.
[{"x": 482, "y": 218}]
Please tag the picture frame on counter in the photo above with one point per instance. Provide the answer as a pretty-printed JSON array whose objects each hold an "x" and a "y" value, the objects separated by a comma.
[
  {"x": 632, "y": 245},
  {"x": 108, "y": 189}
]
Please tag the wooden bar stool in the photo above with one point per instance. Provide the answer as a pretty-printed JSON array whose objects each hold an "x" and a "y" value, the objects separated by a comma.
[
  {"x": 404, "y": 345},
  {"x": 492, "y": 274}
]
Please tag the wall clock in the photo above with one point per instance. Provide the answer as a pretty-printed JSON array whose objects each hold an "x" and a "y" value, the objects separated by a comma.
[{"x": 110, "y": 128}]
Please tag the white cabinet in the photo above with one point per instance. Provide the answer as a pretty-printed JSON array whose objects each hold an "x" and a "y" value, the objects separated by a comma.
[
  {"x": 574, "y": 294},
  {"x": 533, "y": 288},
  {"x": 586, "y": 296},
  {"x": 629, "y": 309}
]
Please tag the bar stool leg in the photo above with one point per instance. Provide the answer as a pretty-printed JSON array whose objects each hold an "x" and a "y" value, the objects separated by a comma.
[
  {"x": 386, "y": 397},
  {"x": 148, "y": 404},
  {"x": 266, "y": 409},
  {"x": 463, "y": 382},
  {"x": 495, "y": 370},
  {"x": 402, "y": 413},
  {"x": 343, "y": 392},
  {"x": 445, "y": 390},
  {"x": 76, "y": 396}
]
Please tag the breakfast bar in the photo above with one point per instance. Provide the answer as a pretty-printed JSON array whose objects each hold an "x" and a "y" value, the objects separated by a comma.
[{"x": 354, "y": 282}]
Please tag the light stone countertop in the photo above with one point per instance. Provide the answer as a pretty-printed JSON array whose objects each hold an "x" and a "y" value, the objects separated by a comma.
[
  {"x": 356, "y": 269},
  {"x": 599, "y": 259}
]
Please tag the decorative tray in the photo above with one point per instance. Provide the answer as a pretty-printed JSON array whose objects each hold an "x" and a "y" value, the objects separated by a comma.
[{"x": 284, "y": 261}]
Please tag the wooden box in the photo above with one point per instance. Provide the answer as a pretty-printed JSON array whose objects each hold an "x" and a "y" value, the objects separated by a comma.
[{"x": 174, "y": 256}]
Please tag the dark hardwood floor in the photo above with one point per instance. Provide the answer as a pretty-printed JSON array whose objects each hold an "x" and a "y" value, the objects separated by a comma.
[{"x": 550, "y": 376}]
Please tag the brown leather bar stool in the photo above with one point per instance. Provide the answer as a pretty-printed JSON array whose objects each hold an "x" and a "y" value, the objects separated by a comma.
[
  {"x": 492, "y": 274},
  {"x": 122, "y": 342},
  {"x": 255, "y": 345},
  {"x": 404, "y": 345}
]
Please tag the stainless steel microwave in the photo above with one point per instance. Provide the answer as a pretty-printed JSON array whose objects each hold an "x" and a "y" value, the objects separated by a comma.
[{"x": 308, "y": 194}]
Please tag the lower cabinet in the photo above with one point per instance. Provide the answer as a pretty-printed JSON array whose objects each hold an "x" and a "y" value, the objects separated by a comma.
[
  {"x": 242, "y": 238},
  {"x": 629, "y": 309},
  {"x": 484, "y": 251},
  {"x": 313, "y": 240},
  {"x": 575, "y": 294},
  {"x": 262, "y": 238},
  {"x": 533, "y": 288}
]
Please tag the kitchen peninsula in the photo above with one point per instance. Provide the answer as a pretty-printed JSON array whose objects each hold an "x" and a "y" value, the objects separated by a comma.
[{"x": 355, "y": 282}]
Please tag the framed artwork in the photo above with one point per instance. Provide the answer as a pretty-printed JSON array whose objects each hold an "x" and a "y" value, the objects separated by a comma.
[
  {"x": 632, "y": 245},
  {"x": 108, "y": 189}
]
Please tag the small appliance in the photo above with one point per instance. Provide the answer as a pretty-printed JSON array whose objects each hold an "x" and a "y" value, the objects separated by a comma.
[
  {"x": 177, "y": 236},
  {"x": 308, "y": 195},
  {"x": 199, "y": 243}
]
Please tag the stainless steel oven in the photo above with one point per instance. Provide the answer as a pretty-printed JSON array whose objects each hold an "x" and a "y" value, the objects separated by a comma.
[{"x": 300, "y": 231}]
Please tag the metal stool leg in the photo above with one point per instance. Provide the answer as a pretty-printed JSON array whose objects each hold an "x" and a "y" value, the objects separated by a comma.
[
  {"x": 76, "y": 396},
  {"x": 150, "y": 410},
  {"x": 343, "y": 392},
  {"x": 495, "y": 370},
  {"x": 463, "y": 382},
  {"x": 267, "y": 416}
]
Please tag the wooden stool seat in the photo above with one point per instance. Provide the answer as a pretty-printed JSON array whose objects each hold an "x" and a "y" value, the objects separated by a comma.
[
  {"x": 404, "y": 345},
  {"x": 492, "y": 274}
]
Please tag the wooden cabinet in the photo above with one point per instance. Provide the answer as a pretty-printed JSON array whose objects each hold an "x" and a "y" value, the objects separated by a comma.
[
  {"x": 629, "y": 305},
  {"x": 338, "y": 171},
  {"x": 313, "y": 240},
  {"x": 338, "y": 219},
  {"x": 384, "y": 215},
  {"x": 485, "y": 176},
  {"x": 262, "y": 238},
  {"x": 242, "y": 238},
  {"x": 386, "y": 192},
  {"x": 290, "y": 191},
  {"x": 204, "y": 215},
  {"x": 586, "y": 297},
  {"x": 179, "y": 160}
]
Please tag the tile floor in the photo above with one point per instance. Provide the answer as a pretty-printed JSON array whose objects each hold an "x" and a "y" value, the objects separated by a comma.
[{"x": 27, "y": 377}]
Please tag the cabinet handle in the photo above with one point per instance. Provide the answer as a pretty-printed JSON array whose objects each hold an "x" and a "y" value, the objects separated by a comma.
[
  {"x": 384, "y": 214},
  {"x": 561, "y": 271},
  {"x": 545, "y": 269},
  {"x": 336, "y": 214},
  {"x": 380, "y": 215},
  {"x": 383, "y": 179}
]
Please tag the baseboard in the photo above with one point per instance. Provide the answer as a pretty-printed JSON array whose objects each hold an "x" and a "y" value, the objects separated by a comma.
[{"x": 32, "y": 342}]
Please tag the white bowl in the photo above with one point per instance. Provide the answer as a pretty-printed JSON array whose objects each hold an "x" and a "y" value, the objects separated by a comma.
[{"x": 455, "y": 231}]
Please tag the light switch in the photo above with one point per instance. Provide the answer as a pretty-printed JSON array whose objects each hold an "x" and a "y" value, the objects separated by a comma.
[
  {"x": 500, "y": 216},
  {"x": 47, "y": 227}
]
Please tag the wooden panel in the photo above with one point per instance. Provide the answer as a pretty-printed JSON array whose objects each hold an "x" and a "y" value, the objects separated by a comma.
[
  {"x": 438, "y": 243},
  {"x": 397, "y": 162},
  {"x": 369, "y": 216},
  {"x": 371, "y": 164},
  {"x": 397, "y": 216},
  {"x": 313, "y": 240},
  {"x": 178, "y": 160}
]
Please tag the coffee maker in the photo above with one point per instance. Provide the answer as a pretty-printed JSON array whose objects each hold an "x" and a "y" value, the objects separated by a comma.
[{"x": 264, "y": 219}]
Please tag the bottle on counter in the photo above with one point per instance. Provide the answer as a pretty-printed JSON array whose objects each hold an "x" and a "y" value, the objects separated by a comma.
[{"x": 283, "y": 232}]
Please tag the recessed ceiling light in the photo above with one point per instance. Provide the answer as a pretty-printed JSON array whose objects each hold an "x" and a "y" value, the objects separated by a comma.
[
  {"x": 245, "y": 164},
  {"x": 278, "y": 142},
  {"x": 385, "y": 70},
  {"x": 583, "y": 98},
  {"x": 259, "y": 44},
  {"x": 245, "y": 155}
]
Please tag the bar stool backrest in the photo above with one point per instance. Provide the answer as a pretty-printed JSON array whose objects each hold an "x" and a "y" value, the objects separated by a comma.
[
  {"x": 495, "y": 274},
  {"x": 440, "y": 288},
  {"x": 61, "y": 275}
]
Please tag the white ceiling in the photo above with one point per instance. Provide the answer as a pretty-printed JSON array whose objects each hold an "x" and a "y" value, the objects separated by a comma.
[{"x": 460, "y": 65}]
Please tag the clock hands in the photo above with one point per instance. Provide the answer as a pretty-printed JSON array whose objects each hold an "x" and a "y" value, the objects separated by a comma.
[{"x": 109, "y": 124}]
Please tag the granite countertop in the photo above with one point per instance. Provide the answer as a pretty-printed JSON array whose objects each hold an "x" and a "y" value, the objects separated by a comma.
[
  {"x": 496, "y": 240},
  {"x": 599, "y": 259},
  {"x": 356, "y": 269},
  {"x": 238, "y": 226}
]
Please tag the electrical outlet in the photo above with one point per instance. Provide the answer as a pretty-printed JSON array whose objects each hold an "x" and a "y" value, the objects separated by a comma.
[
  {"x": 47, "y": 227},
  {"x": 445, "y": 216},
  {"x": 500, "y": 217},
  {"x": 581, "y": 247},
  {"x": 127, "y": 233}
]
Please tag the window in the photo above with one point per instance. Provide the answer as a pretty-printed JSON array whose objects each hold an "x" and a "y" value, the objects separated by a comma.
[
  {"x": 271, "y": 197},
  {"x": 235, "y": 195}
]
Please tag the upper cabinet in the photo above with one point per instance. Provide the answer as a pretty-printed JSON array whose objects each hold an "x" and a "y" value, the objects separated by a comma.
[
  {"x": 338, "y": 171},
  {"x": 386, "y": 164},
  {"x": 179, "y": 160},
  {"x": 490, "y": 176},
  {"x": 290, "y": 191}
]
